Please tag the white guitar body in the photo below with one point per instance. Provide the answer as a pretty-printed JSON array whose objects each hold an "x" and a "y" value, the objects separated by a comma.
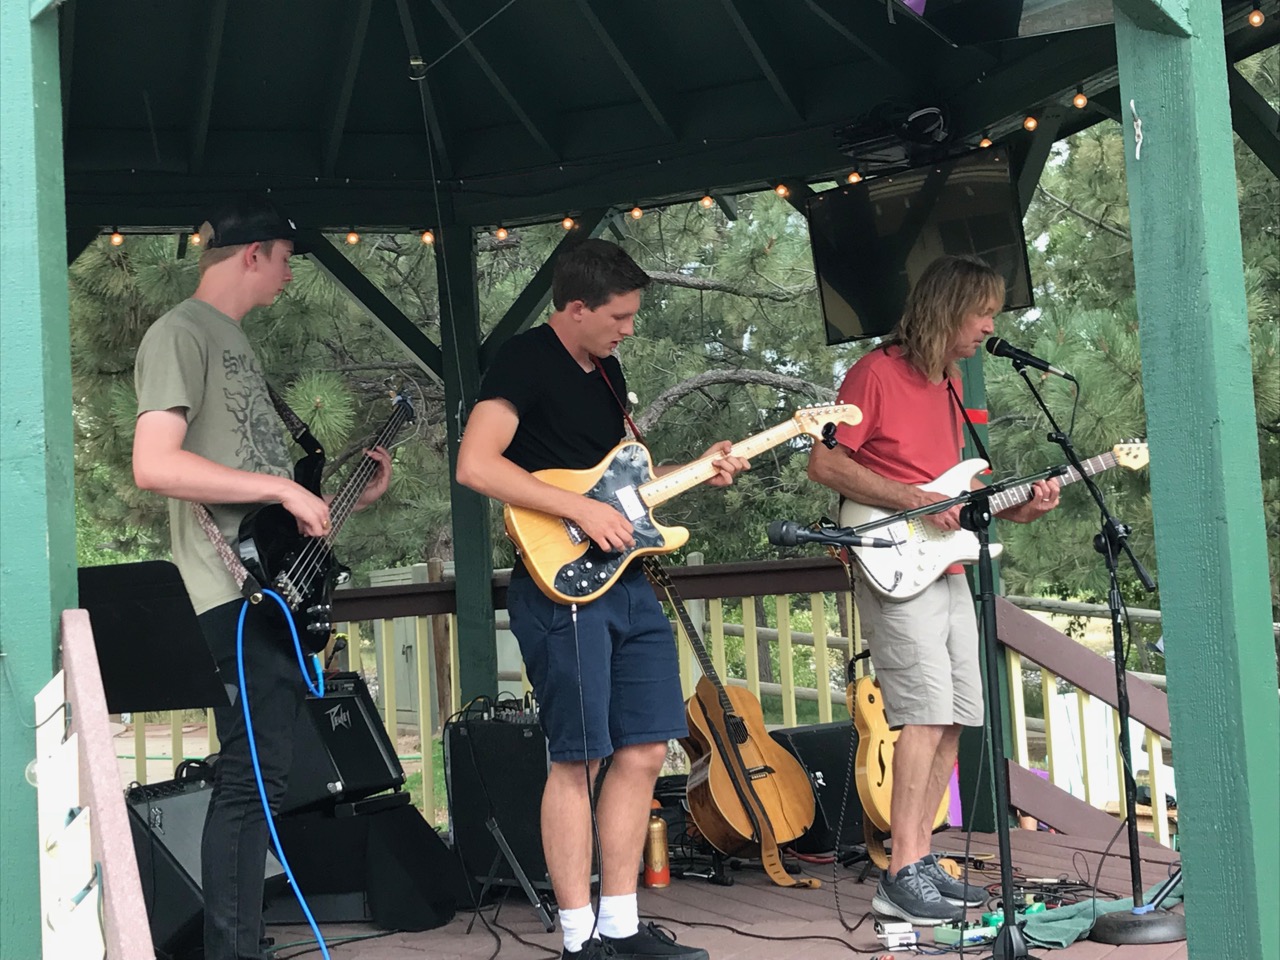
[{"x": 923, "y": 551}]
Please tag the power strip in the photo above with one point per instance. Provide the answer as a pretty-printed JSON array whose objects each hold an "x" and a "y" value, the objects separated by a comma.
[{"x": 948, "y": 934}]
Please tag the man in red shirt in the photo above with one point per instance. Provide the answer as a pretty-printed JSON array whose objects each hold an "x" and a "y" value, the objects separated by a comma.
[{"x": 925, "y": 649}]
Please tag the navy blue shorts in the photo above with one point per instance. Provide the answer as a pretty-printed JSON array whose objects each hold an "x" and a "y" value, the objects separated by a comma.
[{"x": 630, "y": 675}]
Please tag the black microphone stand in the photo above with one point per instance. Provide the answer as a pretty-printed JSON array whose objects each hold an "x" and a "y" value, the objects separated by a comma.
[{"x": 1142, "y": 924}]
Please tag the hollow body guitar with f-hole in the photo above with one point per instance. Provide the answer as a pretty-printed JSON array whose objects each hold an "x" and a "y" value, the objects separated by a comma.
[{"x": 303, "y": 570}]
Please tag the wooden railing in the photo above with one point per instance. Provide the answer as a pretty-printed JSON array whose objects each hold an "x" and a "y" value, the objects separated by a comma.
[{"x": 722, "y": 597}]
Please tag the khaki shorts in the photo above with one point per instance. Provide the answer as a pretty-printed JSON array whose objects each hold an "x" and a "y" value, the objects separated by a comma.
[{"x": 925, "y": 651}]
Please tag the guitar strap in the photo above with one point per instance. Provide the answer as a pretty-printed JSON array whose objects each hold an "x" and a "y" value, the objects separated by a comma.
[
  {"x": 973, "y": 434},
  {"x": 770, "y": 854},
  {"x": 246, "y": 583},
  {"x": 635, "y": 431}
]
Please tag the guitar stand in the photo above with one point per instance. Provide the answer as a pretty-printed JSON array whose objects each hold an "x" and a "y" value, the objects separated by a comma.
[
  {"x": 491, "y": 879},
  {"x": 854, "y": 856}
]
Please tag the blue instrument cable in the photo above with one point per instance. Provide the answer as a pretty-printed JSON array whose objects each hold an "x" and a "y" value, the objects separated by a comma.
[{"x": 317, "y": 689}]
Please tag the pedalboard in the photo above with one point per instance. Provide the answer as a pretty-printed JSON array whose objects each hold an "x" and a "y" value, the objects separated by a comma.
[{"x": 949, "y": 934}]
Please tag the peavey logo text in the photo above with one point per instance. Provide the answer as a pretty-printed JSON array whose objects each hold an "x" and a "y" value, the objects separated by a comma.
[{"x": 339, "y": 716}]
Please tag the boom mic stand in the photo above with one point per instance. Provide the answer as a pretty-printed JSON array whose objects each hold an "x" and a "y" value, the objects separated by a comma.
[{"x": 1142, "y": 924}]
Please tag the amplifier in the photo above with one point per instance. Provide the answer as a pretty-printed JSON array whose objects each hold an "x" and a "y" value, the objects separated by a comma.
[
  {"x": 341, "y": 750},
  {"x": 824, "y": 750},
  {"x": 167, "y": 821}
]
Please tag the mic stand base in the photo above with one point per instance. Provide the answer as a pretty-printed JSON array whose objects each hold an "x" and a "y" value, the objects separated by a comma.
[
  {"x": 1010, "y": 943},
  {"x": 1149, "y": 926}
]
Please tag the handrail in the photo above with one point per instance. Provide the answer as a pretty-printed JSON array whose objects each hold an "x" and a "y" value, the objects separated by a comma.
[{"x": 1076, "y": 608}]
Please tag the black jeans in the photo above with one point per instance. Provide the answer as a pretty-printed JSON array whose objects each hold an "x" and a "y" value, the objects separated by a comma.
[{"x": 233, "y": 850}]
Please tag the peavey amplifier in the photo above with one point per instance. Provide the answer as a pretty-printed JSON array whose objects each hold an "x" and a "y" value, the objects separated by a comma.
[{"x": 341, "y": 750}]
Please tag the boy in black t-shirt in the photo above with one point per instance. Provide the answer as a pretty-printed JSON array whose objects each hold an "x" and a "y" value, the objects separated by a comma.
[{"x": 605, "y": 673}]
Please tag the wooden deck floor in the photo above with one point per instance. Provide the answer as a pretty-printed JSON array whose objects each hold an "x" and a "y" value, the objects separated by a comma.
[{"x": 755, "y": 920}]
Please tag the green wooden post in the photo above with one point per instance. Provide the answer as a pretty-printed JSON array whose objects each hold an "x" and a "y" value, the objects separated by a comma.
[
  {"x": 1205, "y": 481},
  {"x": 473, "y": 550},
  {"x": 37, "y": 502}
]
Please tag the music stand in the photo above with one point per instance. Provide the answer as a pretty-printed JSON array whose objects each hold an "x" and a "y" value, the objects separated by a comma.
[{"x": 151, "y": 651}]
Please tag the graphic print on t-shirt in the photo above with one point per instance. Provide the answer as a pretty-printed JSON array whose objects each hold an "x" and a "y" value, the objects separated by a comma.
[{"x": 261, "y": 447}]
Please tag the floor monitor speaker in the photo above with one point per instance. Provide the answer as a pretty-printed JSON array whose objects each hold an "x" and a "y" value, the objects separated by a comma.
[{"x": 824, "y": 750}]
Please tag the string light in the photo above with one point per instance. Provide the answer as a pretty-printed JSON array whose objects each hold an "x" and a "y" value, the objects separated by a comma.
[
  {"x": 428, "y": 237},
  {"x": 117, "y": 237},
  {"x": 501, "y": 233},
  {"x": 195, "y": 240},
  {"x": 1256, "y": 18},
  {"x": 854, "y": 177},
  {"x": 636, "y": 213},
  {"x": 984, "y": 142},
  {"x": 1030, "y": 123},
  {"x": 706, "y": 202},
  {"x": 1080, "y": 101},
  {"x": 352, "y": 237},
  {"x": 782, "y": 191},
  {"x": 568, "y": 223}
]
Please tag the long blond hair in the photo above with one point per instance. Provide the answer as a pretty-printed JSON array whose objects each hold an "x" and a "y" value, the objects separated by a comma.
[{"x": 949, "y": 290}]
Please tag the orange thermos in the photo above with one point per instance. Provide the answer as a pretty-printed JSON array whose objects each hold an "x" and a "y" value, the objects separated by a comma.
[{"x": 657, "y": 869}]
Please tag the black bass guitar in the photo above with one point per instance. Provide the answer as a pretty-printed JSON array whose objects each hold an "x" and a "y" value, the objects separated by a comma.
[{"x": 303, "y": 570}]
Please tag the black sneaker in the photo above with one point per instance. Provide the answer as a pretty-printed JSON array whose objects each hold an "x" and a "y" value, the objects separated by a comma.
[
  {"x": 953, "y": 891},
  {"x": 652, "y": 941},
  {"x": 911, "y": 896},
  {"x": 593, "y": 949}
]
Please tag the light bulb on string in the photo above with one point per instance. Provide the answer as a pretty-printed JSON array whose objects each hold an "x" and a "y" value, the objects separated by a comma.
[
  {"x": 1256, "y": 18},
  {"x": 636, "y": 213},
  {"x": 501, "y": 233},
  {"x": 1030, "y": 123},
  {"x": 195, "y": 240},
  {"x": 1079, "y": 101},
  {"x": 117, "y": 237},
  {"x": 568, "y": 223},
  {"x": 984, "y": 142},
  {"x": 428, "y": 237},
  {"x": 706, "y": 202},
  {"x": 854, "y": 177},
  {"x": 782, "y": 191},
  {"x": 352, "y": 237}
]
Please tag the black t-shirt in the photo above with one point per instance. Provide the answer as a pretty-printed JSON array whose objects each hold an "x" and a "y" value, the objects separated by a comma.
[{"x": 569, "y": 418}]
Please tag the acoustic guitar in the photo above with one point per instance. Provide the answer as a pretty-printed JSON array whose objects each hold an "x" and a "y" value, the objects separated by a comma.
[
  {"x": 873, "y": 767},
  {"x": 564, "y": 562},
  {"x": 746, "y": 793},
  {"x": 923, "y": 551}
]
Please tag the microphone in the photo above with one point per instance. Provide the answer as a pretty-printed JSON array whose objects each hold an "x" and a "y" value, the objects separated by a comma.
[
  {"x": 788, "y": 533},
  {"x": 999, "y": 347}
]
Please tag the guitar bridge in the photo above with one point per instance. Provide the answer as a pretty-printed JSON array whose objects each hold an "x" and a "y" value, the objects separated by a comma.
[
  {"x": 575, "y": 532},
  {"x": 759, "y": 773}
]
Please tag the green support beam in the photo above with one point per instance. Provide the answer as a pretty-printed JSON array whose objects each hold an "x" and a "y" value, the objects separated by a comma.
[
  {"x": 1205, "y": 485},
  {"x": 344, "y": 273},
  {"x": 1029, "y": 156},
  {"x": 536, "y": 295},
  {"x": 473, "y": 548},
  {"x": 37, "y": 494},
  {"x": 1255, "y": 121}
]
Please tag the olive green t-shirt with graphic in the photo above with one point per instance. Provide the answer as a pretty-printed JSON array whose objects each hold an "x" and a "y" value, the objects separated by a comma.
[{"x": 197, "y": 359}]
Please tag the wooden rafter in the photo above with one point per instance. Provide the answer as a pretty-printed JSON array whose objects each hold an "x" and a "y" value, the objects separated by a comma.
[
  {"x": 353, "y": 47},
  {"x": 208, "y": 76},
  {"x": 753, "y": 35},
  {"x": 628, "y": 69},
  {"x": 432, "y": 120}
]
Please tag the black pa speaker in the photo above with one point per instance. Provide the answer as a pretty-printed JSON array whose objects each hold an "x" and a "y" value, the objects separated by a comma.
[
  {"x": 497, "y": 768},
  {"x": 167, "y": 820},
  {"x": 824, "y": 750},
  {"x": 341, "y": 750}
]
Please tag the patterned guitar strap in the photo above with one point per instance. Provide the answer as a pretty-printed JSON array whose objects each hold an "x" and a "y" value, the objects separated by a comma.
[
  {"x": 770, "y": 854},
  {"x": 246, "y": 583}
]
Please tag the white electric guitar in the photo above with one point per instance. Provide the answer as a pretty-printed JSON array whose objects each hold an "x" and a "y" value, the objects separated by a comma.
[{"x": 923, "y": 551}]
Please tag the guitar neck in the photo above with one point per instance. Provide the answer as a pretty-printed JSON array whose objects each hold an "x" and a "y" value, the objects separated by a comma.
[
  {"x": 659, "y": 573},
  {"x": 663, "y": 488},
  {"x": 348, "y": 495},
  {"x": 1020, "y": 494}
]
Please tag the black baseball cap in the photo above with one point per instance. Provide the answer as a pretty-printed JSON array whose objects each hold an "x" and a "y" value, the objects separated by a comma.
[{"x": 250, "y": 219}]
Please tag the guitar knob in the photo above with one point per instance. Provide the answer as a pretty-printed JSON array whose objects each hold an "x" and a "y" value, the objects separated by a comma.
[
  {"x": 587, "y": 565},
  {"x": 568, "y": 573},
  {"x": 602, "y": 576},
  {"x": 584, "y": 585}
]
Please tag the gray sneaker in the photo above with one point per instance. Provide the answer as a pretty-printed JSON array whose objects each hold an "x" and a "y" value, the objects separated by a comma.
[
  {"x": 953, "y": 891},
  {"x": 911, "y": 896}
]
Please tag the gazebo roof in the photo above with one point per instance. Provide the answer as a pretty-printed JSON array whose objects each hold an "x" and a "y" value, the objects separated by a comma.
[{"x": 528, "y": 110}]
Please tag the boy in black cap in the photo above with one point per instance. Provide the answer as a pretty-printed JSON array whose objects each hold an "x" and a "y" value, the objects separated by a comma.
[{"x": 207, "y": 433}]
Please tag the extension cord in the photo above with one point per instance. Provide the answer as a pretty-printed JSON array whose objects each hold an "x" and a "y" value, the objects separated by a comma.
[{"x": 948, "y": 934}]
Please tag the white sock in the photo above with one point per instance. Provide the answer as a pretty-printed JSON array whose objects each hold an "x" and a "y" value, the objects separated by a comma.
[
  {"x": 576, "y": 924},
  {"x": 619, "y": 916}
]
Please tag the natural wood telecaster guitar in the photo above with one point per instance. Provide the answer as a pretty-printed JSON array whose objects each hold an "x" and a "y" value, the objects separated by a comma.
[
  {"x": 923, "y": 551},
  {"x": 570, "y": 568}
]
